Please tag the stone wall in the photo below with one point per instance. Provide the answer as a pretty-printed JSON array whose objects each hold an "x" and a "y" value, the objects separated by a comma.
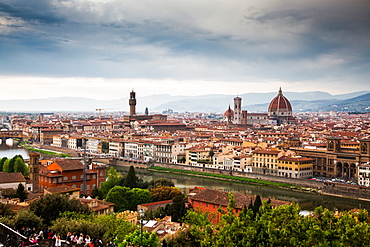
[{"x": 346, "y": 190}]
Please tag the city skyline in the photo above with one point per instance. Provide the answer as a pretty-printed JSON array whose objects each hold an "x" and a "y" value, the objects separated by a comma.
[{"x": 104, "y": 49}]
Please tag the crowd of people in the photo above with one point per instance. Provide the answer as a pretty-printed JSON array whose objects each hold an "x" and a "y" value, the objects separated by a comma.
[{"x": 72, "y": 239}]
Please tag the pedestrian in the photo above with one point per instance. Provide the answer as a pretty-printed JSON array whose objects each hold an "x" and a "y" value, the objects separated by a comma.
[
  {"x": 80, "y": 240},
  {"x": 69, "y": 238},
  {"x": 87, "y": 241},
  {"x": 58, "y": 241}
]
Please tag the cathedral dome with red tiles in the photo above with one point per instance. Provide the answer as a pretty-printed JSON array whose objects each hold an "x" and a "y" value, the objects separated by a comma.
[
  {"x": 280, "y": 110},
  {"x": 280, "y": 103}
]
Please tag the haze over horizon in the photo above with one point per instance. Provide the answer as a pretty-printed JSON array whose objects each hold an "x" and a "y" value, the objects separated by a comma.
[{"x": 102, "y": 49}]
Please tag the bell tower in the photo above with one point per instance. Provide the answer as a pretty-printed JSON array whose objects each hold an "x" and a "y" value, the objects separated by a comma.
[
  {"x": 34, "y": 171},
  {"x": 132, "y": 103}
]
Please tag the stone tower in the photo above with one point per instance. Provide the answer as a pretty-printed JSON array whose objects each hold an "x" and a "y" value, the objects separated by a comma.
[
  {"x": 237, "y": 110},
  {"x": 34, "y": 171},
  {"x": 132, "y": 102}
]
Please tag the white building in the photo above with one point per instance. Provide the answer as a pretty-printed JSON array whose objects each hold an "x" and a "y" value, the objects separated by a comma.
[{"x": 364, "y": 174}]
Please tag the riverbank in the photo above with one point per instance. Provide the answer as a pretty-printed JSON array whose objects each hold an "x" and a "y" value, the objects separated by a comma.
[
  {"x": 234, "y": 179},
  {"x": 44, "y": 151}
]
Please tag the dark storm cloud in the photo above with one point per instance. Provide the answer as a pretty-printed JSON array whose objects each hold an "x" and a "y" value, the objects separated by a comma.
[
  {"x": 281, "y": 40},
  {"x": 38, "y": 10}
]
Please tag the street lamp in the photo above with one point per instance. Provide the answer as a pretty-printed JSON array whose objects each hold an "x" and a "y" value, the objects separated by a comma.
[{"x": 141, "y": 215}]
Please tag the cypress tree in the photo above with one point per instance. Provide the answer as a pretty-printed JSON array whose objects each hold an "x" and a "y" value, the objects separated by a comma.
[{"x": 131, "y": 179}]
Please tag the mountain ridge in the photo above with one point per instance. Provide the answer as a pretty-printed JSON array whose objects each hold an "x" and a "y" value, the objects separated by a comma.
[{"x": 301, "y": 101}]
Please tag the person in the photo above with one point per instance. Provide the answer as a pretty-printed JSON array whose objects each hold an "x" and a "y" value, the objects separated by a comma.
[
  {"x": 80, "y": 240},
  {"x": 110, "y": 244},
  {"x": 69, "y": 238},
  {"x": 58, "y": 241},
  {"x": 87, "y": 241}
]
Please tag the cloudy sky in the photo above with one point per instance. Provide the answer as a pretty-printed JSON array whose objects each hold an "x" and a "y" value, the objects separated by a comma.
[{"x": 103, "y": 49}]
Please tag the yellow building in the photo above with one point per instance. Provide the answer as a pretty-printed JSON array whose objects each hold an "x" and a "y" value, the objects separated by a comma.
[
  {"x": 295, "y": 167},
  {"x": 265, "y": 161}
]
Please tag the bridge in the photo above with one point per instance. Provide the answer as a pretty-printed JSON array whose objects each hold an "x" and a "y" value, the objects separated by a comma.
[{"x": 6, "y": 134}]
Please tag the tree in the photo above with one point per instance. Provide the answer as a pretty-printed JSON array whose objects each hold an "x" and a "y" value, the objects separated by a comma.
[
  {"x": 125, "y": 198},
  {"x": 105, "y": 227},
  {"x": 20, "y": 166},
  {"x": 96, "y": 193},
  {"x": 21, "y": 193},
  {"x": 161, "y": 182},
  {"x": 113, "y": 178},
  {"x": 145, "y": 239},
  {"x": 27, "y": 218},
  {"x": 49, "y": 207},
  {"x": 177, "y": 209},
  {"x": 6, "y": 166},
  {"x": 163, "y": 193},
  {"x": 2, "y": 163},
  {"x": 131, "y": 179},
  {"x": 5, "y": 210}
]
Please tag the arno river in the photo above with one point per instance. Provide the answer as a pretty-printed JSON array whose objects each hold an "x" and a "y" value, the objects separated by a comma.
[{"x": 305, "y": 200}]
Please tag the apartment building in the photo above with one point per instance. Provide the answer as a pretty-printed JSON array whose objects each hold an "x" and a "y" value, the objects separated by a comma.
[{"x": 295, "y": 167}]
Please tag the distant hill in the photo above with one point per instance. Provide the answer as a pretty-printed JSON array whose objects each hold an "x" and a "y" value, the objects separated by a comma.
[{"x": 253, "y": 102}]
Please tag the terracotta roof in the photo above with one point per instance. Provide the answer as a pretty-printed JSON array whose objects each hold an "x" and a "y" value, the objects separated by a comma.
[
  {"x": 219, "y": 197},
  {"x": 11, "y": 177},
  {"x": 69, "y": 165},
  {"x": 279, "y": 103},
  {"x": 62, "y": 189}
]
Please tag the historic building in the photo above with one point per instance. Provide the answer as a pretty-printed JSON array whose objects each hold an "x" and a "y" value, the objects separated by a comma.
[
  {"x": 280, "y": 110},
  {"x": 337, "y": 161},
  {"x": 70, "y": 172}
]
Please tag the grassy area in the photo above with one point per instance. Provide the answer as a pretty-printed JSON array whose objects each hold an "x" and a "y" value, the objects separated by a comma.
[
  {"x": 44, "y": 151},
  {"x": 228, "y": 177}
]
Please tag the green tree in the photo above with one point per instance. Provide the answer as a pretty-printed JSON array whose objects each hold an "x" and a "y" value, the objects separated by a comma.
[
  {"x": 49, "y": 207},
  {"x": 161, "y": 182},
  {"x": 20, "y": 166},
  {"x": 163, "y": 193},
  {"x": 113, "y": 179},
  {"x": 145, "y": 239},
  {"x": 127, "y": 199},
  {"x": 5, "y": 210},
  {"x": 6, "y": 166},
  {"x": 2, "y": 163},
  {"x": 21, "y": 193},
  {"x": 27, "y": 218},
  {"x": 177, "y": 209},
  {"x": 11, "y": 164},
  {"x": 130, "y": 180},
  {"x": 96, "y": 193}
]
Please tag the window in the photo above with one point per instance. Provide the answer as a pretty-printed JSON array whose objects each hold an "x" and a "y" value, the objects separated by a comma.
[
  {"x": 82, "y": 176},
  {"x": 65, "y": 178},
  {"x": 73, "y": 177},
  {"x": 200, "y": 203}
]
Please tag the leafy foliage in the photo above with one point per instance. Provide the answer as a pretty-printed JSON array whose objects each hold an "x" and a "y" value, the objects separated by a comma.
[
  {"x": 128, "y": 199},
  {"x": 21, "y": 193},
  {"x": 50, "y": 206},
  {"x": 105, "y": 227},
  {"x": 279, "y": 226},
  {"x": 113, "y": 178},
  {"x": 161, "y": 182},
  {"x": 145, "y": 239},
  {"x": 131, "y": 180},
  {"x": 162, "y": 193}
]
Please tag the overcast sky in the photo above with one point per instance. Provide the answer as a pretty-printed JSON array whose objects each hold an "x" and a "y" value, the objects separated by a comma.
[{"x": 103, "y": 49}]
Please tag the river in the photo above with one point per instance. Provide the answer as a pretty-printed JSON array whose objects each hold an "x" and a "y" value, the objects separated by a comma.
[
  {"x": 9, "y": 148},
  {"x": 306, "y": 201}
]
